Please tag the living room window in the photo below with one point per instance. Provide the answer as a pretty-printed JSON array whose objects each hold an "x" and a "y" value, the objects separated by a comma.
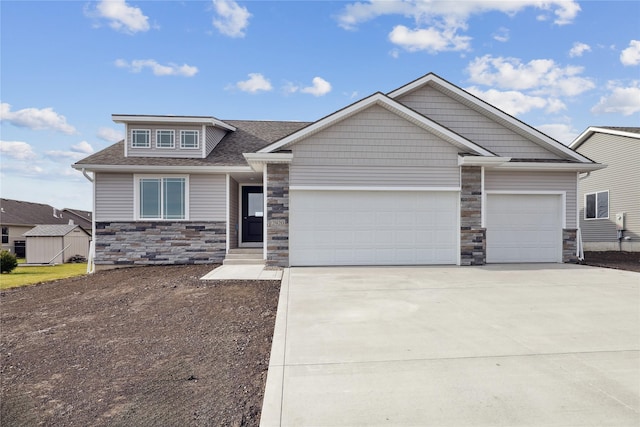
[
  {"x": 165, "y": 138},
  {"x": 5, "y": 235},
  {"x": 140, "y": 138},
  {"x": 596, "y": 205},
  {"x": 189, "y": 138},
  {"x": 162, "y": 198}
]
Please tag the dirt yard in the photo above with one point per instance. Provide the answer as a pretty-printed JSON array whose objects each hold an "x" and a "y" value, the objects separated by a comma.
[
  {"x": 612, "y": 259},
  {"x": 148, "y": 346}
]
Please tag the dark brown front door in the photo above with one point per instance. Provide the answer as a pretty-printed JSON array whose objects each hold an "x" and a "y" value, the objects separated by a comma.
[{"x": 252, "y": 213}]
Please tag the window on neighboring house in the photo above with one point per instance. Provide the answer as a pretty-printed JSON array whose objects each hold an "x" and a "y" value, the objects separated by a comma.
[
  {"x": 189, "y": 138},
  {"x": 596, "y": 205},
  {"x": 141, "y": 138},
  {"x": 162, "y": 198},
  {"x": 5, "y": 235},
  {"x": 165, "y": 139}
]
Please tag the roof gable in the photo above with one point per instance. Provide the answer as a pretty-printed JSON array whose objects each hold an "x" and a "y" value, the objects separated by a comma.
[
  {"x": 54, "y": 230},
  {"x": 393, "y": 107},
  {"x": 490, "y": 111},
  {"x": 630, "y": 132}
]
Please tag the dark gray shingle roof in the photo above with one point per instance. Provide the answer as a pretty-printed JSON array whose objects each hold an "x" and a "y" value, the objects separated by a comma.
[{"x": 17, "y": 212}]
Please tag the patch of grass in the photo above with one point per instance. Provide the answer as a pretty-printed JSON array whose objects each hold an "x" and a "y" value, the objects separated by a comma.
[{"x": 29, "y": 275}]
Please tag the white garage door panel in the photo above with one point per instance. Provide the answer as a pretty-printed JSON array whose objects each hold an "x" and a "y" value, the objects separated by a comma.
[
  {"x": 524, "y": 228},
  {"x": 373, "y": 227}
]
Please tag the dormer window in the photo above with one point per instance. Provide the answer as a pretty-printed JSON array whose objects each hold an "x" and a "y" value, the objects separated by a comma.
[
  {"x": 140, "y": 138},
  {"x": 165, "y": 138},
  {"x": 189, "y": 139}
]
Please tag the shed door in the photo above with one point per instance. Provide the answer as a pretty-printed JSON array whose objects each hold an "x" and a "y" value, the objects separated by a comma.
[
  {"x": 524, "y": 228},
  {"x": 373, "y": 227}
]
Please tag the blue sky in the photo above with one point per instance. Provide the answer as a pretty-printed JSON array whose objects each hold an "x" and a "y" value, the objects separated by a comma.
[{"x": 66, "y": 66}]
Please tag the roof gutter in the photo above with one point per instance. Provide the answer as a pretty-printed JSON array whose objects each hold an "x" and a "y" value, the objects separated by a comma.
[
  {"x": 168, "y": 169},
  {"x": 257, "y": 161}
]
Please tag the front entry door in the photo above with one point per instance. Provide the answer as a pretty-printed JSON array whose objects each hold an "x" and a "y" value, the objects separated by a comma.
[{"x": 252, "y": 213}]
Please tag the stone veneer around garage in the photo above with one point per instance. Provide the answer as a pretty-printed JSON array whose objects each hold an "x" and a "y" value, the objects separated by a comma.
[
  {"x": 277, "y": 239},
  {"x": 154, "y": 243},
  {"x": 473, "y": 241}
]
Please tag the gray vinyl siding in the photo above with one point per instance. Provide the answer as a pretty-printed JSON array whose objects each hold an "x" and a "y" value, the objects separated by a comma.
[
  {"x": 473, "y": 125},
  {"x": 207, "y": 198},
  {"x": 374, "y": 148},
  {"x": 154, "y": 151},
  {"x": 114, "y": 196},
  {"x": 234, "y": 213},
  {"x": 524, "y": 181},
  {"x": 621, "y": 178},
  {"x": 213, "y": 136}
]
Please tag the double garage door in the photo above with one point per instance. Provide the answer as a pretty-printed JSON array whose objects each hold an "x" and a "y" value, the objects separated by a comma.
[
  {"x": 417, "y": 227},
  {"x": 373, "y": 227}
]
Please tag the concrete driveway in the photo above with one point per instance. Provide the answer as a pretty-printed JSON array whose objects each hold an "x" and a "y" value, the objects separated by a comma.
[{"x": 501, "y": 345}]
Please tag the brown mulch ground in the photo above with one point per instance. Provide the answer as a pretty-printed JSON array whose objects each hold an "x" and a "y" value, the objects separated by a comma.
[
  {"x": 148, "y": 346},
  {"x": 620, "y": 260}
]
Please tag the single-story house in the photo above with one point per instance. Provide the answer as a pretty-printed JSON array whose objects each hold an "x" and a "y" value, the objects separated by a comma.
[
  {"x": 55, "y": 244},
  {"x": 424, "y": 174},
  {"x": 17, "y": 217},
  {"x": 610, "y": 198}
]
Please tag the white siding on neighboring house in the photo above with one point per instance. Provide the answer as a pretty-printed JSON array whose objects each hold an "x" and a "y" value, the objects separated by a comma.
[
  {"x": 114, "y": 196},
  {"x": 374, "y": 148},
  {"x": 621, "y": 178},
  {"x": 473, "y": 125},
  {"x": 207, "y": 197},
  {"x": 532, "y": 181}
]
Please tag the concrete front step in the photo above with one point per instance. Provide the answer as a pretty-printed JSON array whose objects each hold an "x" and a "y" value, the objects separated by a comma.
[
  {"x": 243, "y": 261},
  {"x": 244, "y": 256}
]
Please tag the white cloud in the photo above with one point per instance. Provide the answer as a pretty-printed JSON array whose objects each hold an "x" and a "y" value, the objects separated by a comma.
[
  {"x": 122, "y": 17},
  {"x": 579, "y": 49},
  {"x": 502, "y": 35},
  {"x": 319, "y": 87},
  {"x": 232, "y": 19},
  {"x": 137, "y": 65},
  {"x": 256, "y": 83},
  {"x": 17, "y": 150},
  {"x": 559, "y": 131},
  {"x": 541, "y": 76},
  {"x": 631, "y": 55},
  {"x": 511, "y": 102},
  {"x": 36, "y": 119},
  {"x": 110, "y": 134},
  {"x": 439, "y": 21},
  {"x": 622, "y": 99},
  {"x": 432, "y": 40},
  {"x": 82, "y": 147}
]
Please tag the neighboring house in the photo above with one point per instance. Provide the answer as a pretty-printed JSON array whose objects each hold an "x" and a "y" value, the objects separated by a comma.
[
  {"x": 611, "y": 193},
  {"x": 425, "y": 174},
  {"x": 17, "y": 217},
  {"x": 79, "y": 217},
  {"x": 55, "y": 244}
]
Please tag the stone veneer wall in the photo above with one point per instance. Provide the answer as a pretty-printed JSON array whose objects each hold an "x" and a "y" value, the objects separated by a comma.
[
  {"x": 277, "y": 239},
  {"x": 569, "y": 245},
  {"x": 153, "y": 243},
  {"x": 473, "y": 246}
]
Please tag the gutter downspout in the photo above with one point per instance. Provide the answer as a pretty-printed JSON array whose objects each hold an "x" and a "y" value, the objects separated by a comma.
[{"x": 91, "y": 267}]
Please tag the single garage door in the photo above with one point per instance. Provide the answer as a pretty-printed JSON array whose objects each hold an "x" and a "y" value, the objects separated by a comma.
[
  {"x": 524, "y": 228},
  {"x": 373, "y": 227}
]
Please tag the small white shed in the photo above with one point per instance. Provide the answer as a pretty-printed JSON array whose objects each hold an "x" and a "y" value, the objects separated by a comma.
[{"x": 55, "y": 244}]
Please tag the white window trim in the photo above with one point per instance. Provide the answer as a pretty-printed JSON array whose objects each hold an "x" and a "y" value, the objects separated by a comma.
[
  {"x": 608, "y": 205},
  {"x": 173, "y": 138},
  {"x": 136, "y": 197},
  {"x": 183, "y": 132},
  {"x": 148, "y": 131}
]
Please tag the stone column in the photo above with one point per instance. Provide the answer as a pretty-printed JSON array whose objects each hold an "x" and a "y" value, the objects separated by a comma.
[
  {"x": 569, "y": 245},
  {"x": 473, "y": 246},
  {"x": 277, "y": 193}
]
